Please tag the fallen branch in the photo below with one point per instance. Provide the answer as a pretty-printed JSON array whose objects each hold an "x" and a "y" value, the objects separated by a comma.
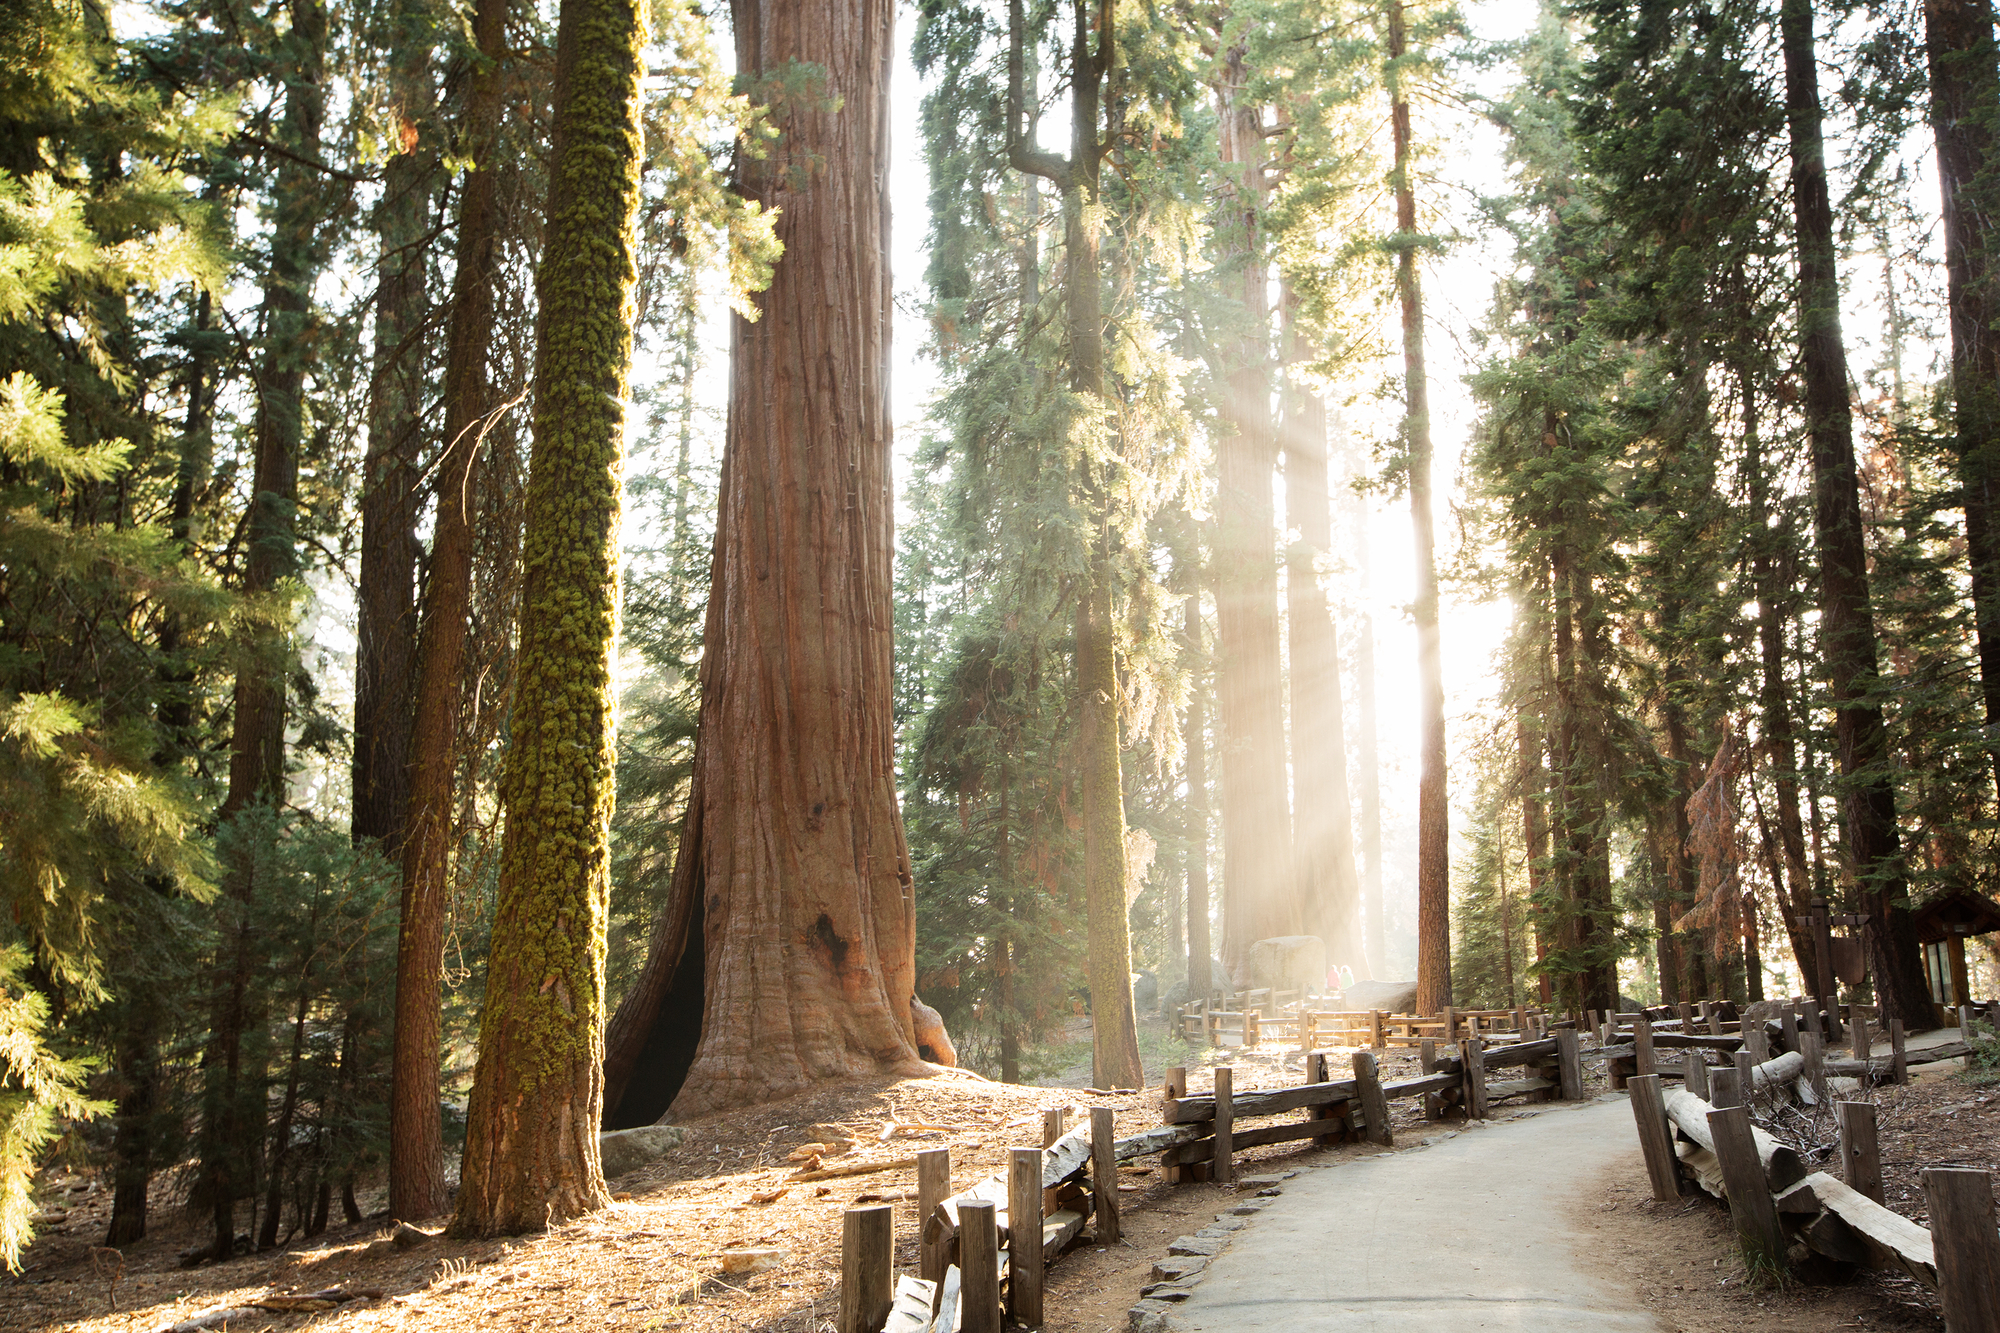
[{"x": 856, "y": 1169}]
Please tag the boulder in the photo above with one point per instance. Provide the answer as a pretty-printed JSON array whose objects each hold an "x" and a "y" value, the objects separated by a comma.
[
  {"x": 933, "y": 1042},
  {"x": 1766, "y": 1011},
  {"x": 1173, "y": 998},
  {"x": 1393, "y": 997},
  {"x": 1288, "y": 961},
  {"x": 1145, "y": 991},
  {"x": 625, "y": 1150}
]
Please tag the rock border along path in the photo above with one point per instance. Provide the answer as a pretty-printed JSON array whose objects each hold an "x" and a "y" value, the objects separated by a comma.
[{"x": 1471, "y": 1229}]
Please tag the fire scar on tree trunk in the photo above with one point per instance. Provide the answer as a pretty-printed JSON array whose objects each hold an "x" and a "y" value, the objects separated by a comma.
[{"x": 793, "y": 893}]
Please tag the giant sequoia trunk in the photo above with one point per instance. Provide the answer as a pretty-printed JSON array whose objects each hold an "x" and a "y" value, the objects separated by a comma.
[
  {"x": 233, "y": 1103},
  {"x": 1322, "y": 812},
  {"x": 1964, "y": 103},
  {"x": 416, "y": 1137},
  {"x": 1433, "y": 810},
  {"x": 789, "y": 942},
  {"x": 1847, "y": 623},
  {"x": 1260, "y": 878},
  {"x": 531, "y": 1155}
]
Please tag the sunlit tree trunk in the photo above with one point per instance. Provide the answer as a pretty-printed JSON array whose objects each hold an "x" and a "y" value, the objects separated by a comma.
[
  {"x": 531, "y": 1155},
  {"x": 416, "y": 1140},
  {"x": 1367, "y": 752},
  {"x": 1200, "y": 949},
  {"x": 1260, "y": 877},
  {"x": 792, "y": 892},
  {"x": 1433, "y": 810},
  {"x": 1847, "y": 622},
  {"x": 1322, "y": 811}
]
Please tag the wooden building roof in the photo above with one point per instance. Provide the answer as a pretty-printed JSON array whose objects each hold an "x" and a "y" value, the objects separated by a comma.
[{"x": 1961, "y": 913}]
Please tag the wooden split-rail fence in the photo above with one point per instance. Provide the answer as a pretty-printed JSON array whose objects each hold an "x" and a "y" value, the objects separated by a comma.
[
  {"x": 984, "y": 1250},
  {"x": 1779, "y": 1210},
  {"x": 1261, "y": 1015}
]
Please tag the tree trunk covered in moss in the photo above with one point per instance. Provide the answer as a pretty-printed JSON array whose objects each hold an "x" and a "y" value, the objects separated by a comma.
[
  {"x": 1323, "y": 813},
  {"x": 233, "y": 1103},
  {"x": 1847, "y": 620},
  {"x": 792, "y": 893},
  {"x": 531, "y": 1128},
  {"x": 1260, "y": 880},
  {"x": 1433, "y": 808},
  {"x": 416, "y": 1136}
]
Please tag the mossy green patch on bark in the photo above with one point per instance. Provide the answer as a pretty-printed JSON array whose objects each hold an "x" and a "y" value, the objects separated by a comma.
[{"x": 531, "y": 1149}]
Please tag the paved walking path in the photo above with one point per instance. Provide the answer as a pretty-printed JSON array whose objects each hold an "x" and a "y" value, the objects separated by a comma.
[{"x": 1472, "y": 1232}]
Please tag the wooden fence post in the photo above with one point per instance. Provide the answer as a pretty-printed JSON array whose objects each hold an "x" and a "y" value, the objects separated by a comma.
[
  {"x": 1899, "y": 1059},
  {"x": 1472, "y": 1052},
  {"x": 1964, "y": 1021},
  {"x": 1252, "y": 1025},
  {"x": 1656, "y": 1136},
  {"x": 1789, "y": 1023},
  {"x": 1758, "y": 1042},
  {"x": 1642, "y": 1047},
  {"x": 1374, "y": 1106},
  {"x": 1569, "y": 1063},
  {"x": 1864, "y": 1043},
  {"x": 866, "y": 1268},
  {"x": 1318, "y": 1072},
  {"x": 1751, "y": 1208},
  {"x": 1715, "y": 1021},
  {"x": 1024, "y": 1236},
  {"x": 1813, "y": 1047},
  {"x": 1746, "y": 1077},
  {"x": 1861, "y": 1161},
  {"x": 1225, "y": 1120},
  {"x": 978, "y": 1267},
  {"x": 1966, "y": 1246},
  {"x": 1427, "y": 1060},
  {"x": 1723, "y": 1089},
  {"x": 933, "y": 1188},
  {"x": 1686, "y": 1011},
  {"x": 1694, "y": 1072},
  {"x": 1104, "y": 1173},
  {"x": 1175, "y": 1088},
  {"x": 1450, "y": 1017},
  {"x": 1375, "y": 1030}
]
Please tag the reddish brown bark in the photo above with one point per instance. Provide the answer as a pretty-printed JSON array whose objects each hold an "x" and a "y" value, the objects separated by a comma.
[
  {"x": 416, "y": 1140},
  {"x": 793, "y": 882},
  {"x": 1433, "y": 810}
]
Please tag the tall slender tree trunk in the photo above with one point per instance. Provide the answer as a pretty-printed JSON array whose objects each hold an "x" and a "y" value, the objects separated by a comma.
[
  {"x": 1323, "y": 813},
  {"x": 1200, "y": 949},
  {"x": 1964, "y": 76},
  {"x": 1433, "y": 808},
  {"x": 1367, "y": 751},
  {"x": 416, "y": 1136},
  {"x": 1774, "y": 705},
  {"x": 233, "y": 1104},
  {"x": 1260, "y": 876},
  {"x": 386, "y": 620},
  {"x": 1534, "y": 834},
  {"x": 792, "y": 890},
  {"x": 138, "y": 1071},
  {"x": 1847, "y": 623},
  {"x": 531, "y": 1156}
]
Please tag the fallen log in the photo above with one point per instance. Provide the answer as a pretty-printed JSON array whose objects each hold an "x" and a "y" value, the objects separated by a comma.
[
  {"x": 1689, "y": 1114},
  {"x": 1855, "y": 1229},
  {"x": 1783, "y": 1069},
  {"x": 856, "y": 1169}
]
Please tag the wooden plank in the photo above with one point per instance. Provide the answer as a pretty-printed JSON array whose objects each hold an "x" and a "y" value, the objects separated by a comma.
[
  {"x": 1374, "y": 1106},
  {"x": 1758, "y": 1043},
  {"x": 1173, "y": 1091},
  {"x": 1782, "y": 1166},
  {"x": 1193, "y": 1110},
  {"x": 910, "y": 1310},
  {"x": 866, "y": 1266},
  {"x": 1065, "y": 1157},
  {"x": 1104, "y": 1173},
  {"x": 1656, "y": 1137},
  {"x": 1860, "y": 1159},
  {"x": 1751, "y": 1210},
  {"x": 1694, "y": 1074},
  {"x": 1319, "y": 1070},
  {"x": 933, "y": 1188},
  {"x": 1569, "y": 1063},
  {"x": 1225, "y": 1121},
  {"x": 1148, "y": 1142},
  {"x": 1723, "y": 1089},
  {"x": 1515, "y": 1087},
  {"x": 1417, "y": 1087},
  {"x": 1203, "y": 1150},
  {"x": 949, "y": 1297},
  {"x": 979, "y": 1264},
  {"x": 1024, "y": 1236},
  {"x": 1059, "y": 1230},
  {"x": 1520, "y": 1053},
  {"x": 1966, "y": 1246},
  {"x": 1863, "y": 1039},
  {"x": 1865, "y": 1232},
  {"x": 1472, "y": 1052},
  {"x": 1813, "y": 1047}
]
